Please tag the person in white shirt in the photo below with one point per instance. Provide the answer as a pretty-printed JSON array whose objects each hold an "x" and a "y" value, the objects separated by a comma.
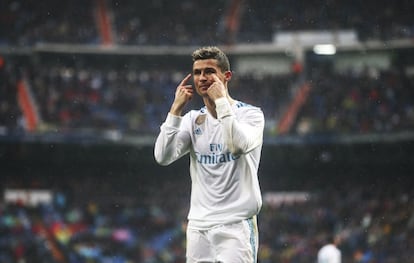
[
  {"x": 224, "y": 140},
  {"x": 330, "y": 253}
]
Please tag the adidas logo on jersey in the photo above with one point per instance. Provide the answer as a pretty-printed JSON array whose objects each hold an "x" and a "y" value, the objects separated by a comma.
[{"x": 198, "y": 131}]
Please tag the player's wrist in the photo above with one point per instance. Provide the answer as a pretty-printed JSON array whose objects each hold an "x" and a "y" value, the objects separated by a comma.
[
  {"x": 173, "y": 120},
  {"x": 223, "y": 107},
  {"x": 176, "y": 110}
]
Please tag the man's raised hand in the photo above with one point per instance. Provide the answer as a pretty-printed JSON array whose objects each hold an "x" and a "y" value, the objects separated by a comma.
[
  {"x": 216, "y": 89},
  {"x": 183, "y": 94}
]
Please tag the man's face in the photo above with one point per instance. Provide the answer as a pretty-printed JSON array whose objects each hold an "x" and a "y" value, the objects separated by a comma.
[{"x": 203, "y": 71}]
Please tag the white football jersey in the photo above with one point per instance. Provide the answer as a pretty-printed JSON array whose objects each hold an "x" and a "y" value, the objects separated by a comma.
[{"x": 224, "y": 160}]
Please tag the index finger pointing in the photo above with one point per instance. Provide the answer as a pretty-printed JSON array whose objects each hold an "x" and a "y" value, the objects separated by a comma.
[
  {"x": 216, "y": 78},
  {"x": 184, "y": 81}
]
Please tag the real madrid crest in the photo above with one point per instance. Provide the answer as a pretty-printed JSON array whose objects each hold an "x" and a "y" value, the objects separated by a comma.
[{"x": 200, "y": 119}]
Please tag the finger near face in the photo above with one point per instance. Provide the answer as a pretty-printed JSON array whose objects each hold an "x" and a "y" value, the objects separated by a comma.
[
  {"x": 186, "y": 78},
  {"x": 214, "y": 84},
  {"x": 218, "y": 78},
  {"x": 187, "y": 88},
  {"x": 215, "y": 77}
]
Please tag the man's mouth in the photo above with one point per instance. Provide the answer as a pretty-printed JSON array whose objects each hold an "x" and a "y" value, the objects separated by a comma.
[{"x": 204, "y": 87}]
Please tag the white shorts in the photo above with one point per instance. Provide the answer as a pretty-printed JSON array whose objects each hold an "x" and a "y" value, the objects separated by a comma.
[{"x": 232, "y": 243}]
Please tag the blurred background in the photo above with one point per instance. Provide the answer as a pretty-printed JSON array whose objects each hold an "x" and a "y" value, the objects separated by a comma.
[{"x": 85, "y": 86}]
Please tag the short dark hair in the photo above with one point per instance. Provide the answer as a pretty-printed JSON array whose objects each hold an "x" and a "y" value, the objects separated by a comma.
[{"x": 212, "y": 52}]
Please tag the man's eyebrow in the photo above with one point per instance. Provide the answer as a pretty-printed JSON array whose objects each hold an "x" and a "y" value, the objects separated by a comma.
[{"x": 206, "y": 68}]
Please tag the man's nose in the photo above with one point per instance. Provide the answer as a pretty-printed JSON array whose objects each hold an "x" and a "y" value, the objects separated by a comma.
[{"x": 203, "y": 76}]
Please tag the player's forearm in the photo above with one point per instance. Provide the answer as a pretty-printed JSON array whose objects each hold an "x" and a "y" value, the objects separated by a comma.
[
  {"x": 176, "y": 109},
  {"x": 162, "y": 151},
  {"x": 240, "y": 137},
  {"x": 171, "y": 144}
]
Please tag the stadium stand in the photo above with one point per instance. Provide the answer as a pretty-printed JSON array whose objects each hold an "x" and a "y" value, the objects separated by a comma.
[
  {"x": 131, "y": 23},
  {"x": 372, "y": 101},
  {"x": 375, "y": 221}
]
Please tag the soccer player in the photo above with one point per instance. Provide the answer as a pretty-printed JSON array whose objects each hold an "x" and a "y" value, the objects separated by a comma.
[
  {"x": 330, "y": 252},
  {"x": 224, "y": 140}
]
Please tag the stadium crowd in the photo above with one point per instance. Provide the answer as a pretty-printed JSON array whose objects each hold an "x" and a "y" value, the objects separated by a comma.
[
  {"x": 369, "y": 101},
  {"x": 25, "y": 23},
  {"x": 375, "y": 222},
  {"x": 133, "y": 100},
  {"x": 128, "y": 100},
  {"x": 70, "y": 98}
]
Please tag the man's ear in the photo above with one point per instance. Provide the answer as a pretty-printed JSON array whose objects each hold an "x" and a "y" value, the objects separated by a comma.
[{"x": 227, "y": 75}]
